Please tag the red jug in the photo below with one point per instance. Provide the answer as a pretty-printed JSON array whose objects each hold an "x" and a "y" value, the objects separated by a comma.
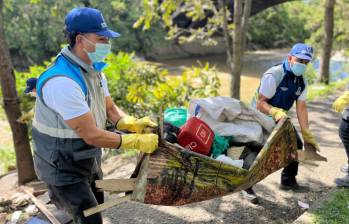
[{"x": 196, "y": 136}]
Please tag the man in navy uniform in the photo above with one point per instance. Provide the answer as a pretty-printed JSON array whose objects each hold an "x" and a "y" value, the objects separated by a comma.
[{"x": 280, "y": 87}]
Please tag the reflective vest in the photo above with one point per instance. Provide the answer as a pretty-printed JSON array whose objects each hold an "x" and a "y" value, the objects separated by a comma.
[
  {"x": 61, "y": 157},
  {"x": 289, "y": 87}
]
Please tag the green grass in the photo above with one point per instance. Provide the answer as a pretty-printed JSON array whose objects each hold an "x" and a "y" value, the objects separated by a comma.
[
  {"x": 2, "y": 113},
  {"x": 335, "y": 210},
  {"x": 7, "y": 158},
  {"x": 318, "y": 90}
]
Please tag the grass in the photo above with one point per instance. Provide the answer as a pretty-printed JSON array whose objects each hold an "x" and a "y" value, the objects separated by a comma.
[
  {"x": 319, "y": 90},
  {"x": 7, "y": 158},
  {"x": 335, "y": 210}
]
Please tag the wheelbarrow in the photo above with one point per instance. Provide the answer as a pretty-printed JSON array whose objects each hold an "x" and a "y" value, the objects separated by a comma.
[{"x": 175, "y": 176}]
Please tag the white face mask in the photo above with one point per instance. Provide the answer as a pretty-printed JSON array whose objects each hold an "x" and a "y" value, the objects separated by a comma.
[
  {"x": 100, "y": 53},
  {"x": 298, "y": 69}
]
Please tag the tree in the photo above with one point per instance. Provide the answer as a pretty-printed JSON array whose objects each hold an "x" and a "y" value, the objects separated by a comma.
[
  {"x": 328, "y": 41},
  {"x": 34, "y": 29},
  {"x": 215, "y": 20},
  {"x": 11, "y": 105},
  {"x": 241, "y": 15}
]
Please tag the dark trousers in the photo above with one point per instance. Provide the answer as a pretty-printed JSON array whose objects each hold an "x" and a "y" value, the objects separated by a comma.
[
  {"x": 344, "y": 135},
  {"x": 75, "y": 198}
]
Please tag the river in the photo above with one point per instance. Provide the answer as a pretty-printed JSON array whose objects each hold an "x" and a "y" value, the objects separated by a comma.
[{"x": 255, "y": 64}]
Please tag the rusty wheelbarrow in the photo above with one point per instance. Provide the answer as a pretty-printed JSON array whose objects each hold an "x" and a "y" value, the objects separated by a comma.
[{"x": 173, "y": 175}]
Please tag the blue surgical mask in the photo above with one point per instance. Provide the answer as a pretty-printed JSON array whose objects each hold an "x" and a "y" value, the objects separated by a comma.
[
  {"x": 100, "y": 53},
  {"x": 298, "y": 69}
]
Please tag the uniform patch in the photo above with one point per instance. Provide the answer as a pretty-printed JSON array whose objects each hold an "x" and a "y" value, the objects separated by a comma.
[{"x": 298, "y": 93}]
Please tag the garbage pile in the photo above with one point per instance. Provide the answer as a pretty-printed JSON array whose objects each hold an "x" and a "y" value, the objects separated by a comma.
[{"x": 220, "y": 127}]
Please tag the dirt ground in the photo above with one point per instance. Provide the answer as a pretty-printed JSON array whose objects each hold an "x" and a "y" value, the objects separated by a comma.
[{"x": 275, "y": 206}]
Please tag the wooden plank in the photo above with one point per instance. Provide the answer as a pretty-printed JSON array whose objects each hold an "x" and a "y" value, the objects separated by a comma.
[
  {"x": 119, "y": 185},
  {"x": 41, "y": 206},
  {"x": 106, "y": 205},
  {"x": 141, "y": 183}
]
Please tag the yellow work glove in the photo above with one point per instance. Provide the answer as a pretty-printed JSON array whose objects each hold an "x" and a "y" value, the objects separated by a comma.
[
  {"x": 135, "y": 125},
  {"x": 147, "y": 143},
  {"x": 277, "y": 113},
  {"x": 341, "y": 102},
  {"x": 310, "y": 139}
]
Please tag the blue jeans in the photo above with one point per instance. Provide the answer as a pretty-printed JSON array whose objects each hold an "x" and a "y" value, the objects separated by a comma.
[{"x": 344, "y": 135}]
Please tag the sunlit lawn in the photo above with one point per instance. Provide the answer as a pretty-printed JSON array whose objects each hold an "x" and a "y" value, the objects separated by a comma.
[{"x": 335, "y": 210}]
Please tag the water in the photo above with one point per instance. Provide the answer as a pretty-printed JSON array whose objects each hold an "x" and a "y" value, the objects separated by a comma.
[
  {"x": 255, "y": 64},
  {"x": 338, "y": 69}
]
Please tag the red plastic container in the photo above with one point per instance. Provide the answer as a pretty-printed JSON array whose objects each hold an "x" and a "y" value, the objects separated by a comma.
[{"x": 196, "y": 136}]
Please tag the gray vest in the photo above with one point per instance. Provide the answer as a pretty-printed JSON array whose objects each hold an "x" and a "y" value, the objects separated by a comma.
[{"x": 61, "y": 157}]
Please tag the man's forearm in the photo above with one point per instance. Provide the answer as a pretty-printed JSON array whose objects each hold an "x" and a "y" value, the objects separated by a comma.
[
  {"x": 101, "y": 138},
  {"x": 302, "y": 114},
  {"x": 264, "y": 107},
  {"x": 114, "y": 113}
]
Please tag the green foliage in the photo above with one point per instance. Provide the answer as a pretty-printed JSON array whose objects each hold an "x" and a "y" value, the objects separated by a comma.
[
  {"x": 196, "y": 10},
  {"x": 311, "y": 74},
  {"x": 141, "y": 88},
  {"x": 34, "y": 29},
  {"x": 335, "y": 209},
  {"x": 279, "y": 26},
  {"x": 7, "y": 158},
  {"x": 321, "y": 90},
  {"x": 314, "y": 15},
  {"x": 27, "y": 102}
]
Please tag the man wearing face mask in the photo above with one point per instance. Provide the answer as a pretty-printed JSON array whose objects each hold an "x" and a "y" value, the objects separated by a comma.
[
  {"x": 72, "y": 106},
  {"x": 280, "y": 87}
]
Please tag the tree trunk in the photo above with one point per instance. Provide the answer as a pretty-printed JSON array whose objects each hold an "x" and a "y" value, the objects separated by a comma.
[
  {"x": 11, "y": 105},
  {"x": 227, "y": 37},
  {"x": 327, "y": 44},
  {"x": 242, "y": 10}
]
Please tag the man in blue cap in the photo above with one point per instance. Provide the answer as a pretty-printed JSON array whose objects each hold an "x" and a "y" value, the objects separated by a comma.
[
  {"x": 280, "y": 87},
  {"x": 31, "y": 86},
  {"x": 72, "y": 106}
]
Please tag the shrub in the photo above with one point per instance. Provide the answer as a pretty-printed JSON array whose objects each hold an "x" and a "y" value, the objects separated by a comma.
[{"x": 141, "y": 88}]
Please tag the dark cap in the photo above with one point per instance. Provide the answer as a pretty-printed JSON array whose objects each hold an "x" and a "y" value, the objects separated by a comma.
[
  {"x": 88, "y": 20},
  {"x": 31, "y": 84}
]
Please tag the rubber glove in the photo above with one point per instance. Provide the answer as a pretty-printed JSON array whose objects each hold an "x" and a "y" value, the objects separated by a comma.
[
  {"x": 277, "y": 113},
  {"x": 147, "y": 143},
  {"x": 135, "y": 125},
  {"x": 310, "y": 148},
  {"x": 310, "y": 139},
  {"x": 341, "y": 102}
]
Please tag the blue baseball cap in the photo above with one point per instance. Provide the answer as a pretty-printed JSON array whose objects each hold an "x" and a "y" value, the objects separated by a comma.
[
  {"x": 88, "y": 20},
  {"x": 31, "y": 84},
  {"x": 302, "y": 51}
]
